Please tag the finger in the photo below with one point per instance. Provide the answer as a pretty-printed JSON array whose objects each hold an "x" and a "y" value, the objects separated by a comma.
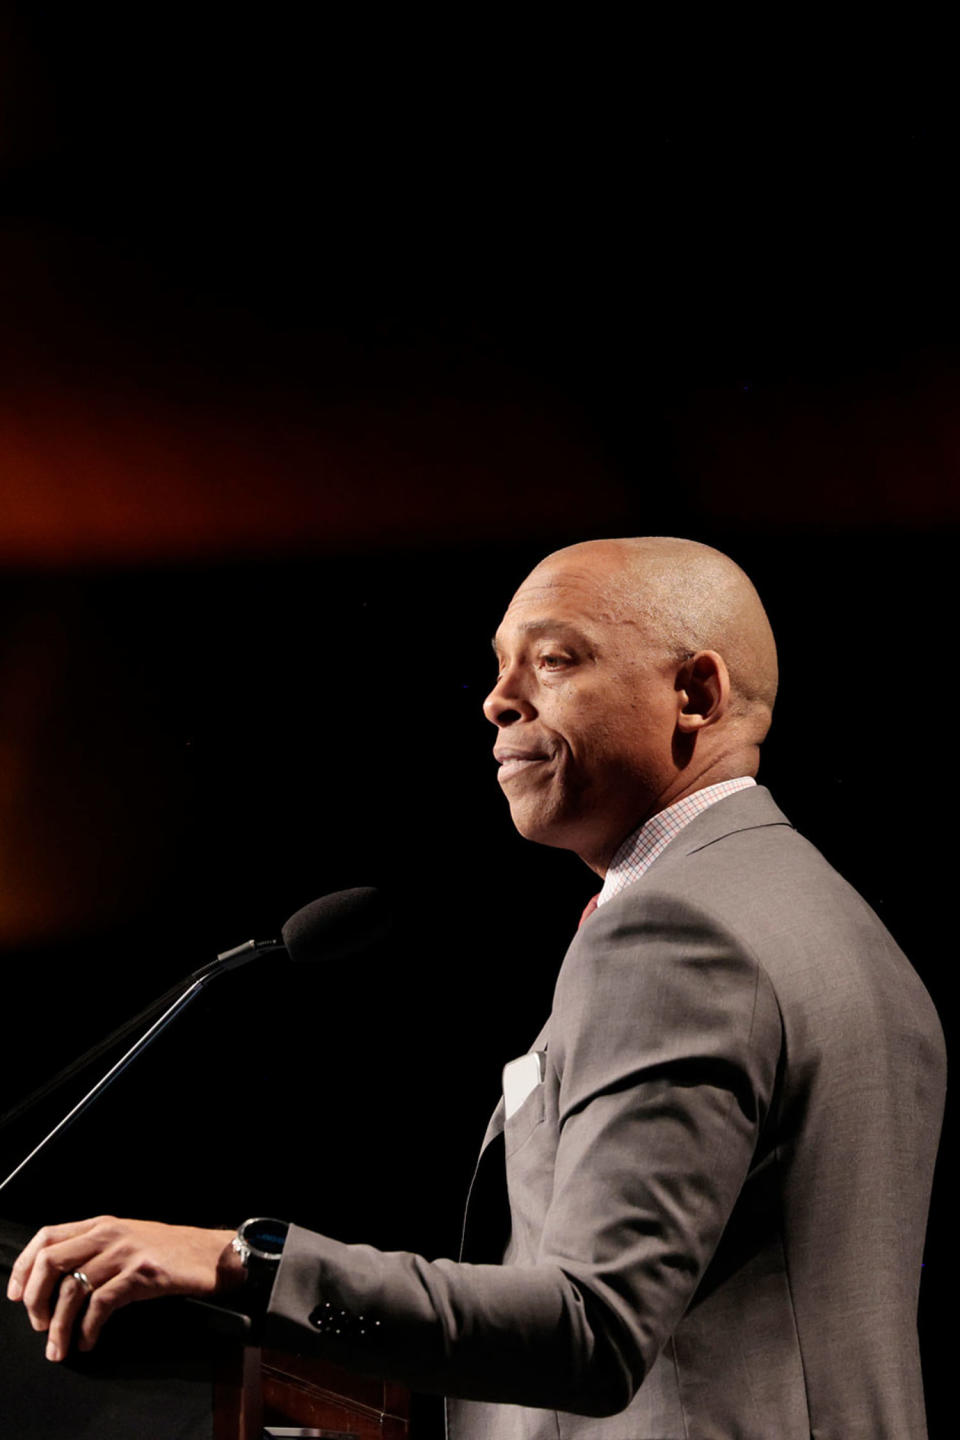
[
  {"x": 70, "y": 1301},
  {"x": 48, "y": 1235},
  {"x": 121, "y": 1290},
  {"x": 50, "y": 1265}
]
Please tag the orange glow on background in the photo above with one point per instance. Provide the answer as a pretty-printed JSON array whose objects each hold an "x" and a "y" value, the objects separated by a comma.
[{"x": 140, "y": 424}]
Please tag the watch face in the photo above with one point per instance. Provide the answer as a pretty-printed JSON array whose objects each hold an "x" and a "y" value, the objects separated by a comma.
[{"x": 265, "y": 1237}]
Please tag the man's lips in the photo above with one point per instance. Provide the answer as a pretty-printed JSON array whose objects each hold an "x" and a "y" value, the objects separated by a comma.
[{"x": 517, "y": 762}]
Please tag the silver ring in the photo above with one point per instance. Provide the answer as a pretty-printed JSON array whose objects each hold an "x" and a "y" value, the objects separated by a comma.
[{"x": 83, "y": 1282}]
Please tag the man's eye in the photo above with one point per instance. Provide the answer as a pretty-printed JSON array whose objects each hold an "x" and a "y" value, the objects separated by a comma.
[{"x": 554, "y": 662}]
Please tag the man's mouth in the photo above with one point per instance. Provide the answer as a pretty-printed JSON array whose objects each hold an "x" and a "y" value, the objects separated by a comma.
[{"x": 517, "y": 762}]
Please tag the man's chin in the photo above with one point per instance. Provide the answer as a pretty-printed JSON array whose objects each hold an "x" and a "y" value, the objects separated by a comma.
[{"x": 543, "y": 829}]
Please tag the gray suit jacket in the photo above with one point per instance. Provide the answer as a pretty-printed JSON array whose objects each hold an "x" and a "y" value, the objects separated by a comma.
[{"x": 717, "y": 1195}]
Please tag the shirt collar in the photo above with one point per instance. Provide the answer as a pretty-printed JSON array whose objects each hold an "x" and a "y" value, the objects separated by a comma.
[{"x": 641, "y": 848}]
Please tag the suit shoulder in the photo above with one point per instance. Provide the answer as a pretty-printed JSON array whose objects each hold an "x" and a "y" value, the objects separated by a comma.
[{"x": 777, "y": 899}]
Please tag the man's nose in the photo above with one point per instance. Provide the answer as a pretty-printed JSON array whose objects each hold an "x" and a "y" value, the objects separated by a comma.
[{"x": 506, "y": 703}]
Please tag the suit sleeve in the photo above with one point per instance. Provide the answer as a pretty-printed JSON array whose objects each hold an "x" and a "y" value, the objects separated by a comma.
[{"x": 664, "y": 1044}]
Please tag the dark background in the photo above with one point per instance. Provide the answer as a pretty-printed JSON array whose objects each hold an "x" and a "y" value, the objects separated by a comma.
[{"x": 311, "y": 344}]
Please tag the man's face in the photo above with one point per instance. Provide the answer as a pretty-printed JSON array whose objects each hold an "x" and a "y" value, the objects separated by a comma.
[{"x": 586, "y": 708}]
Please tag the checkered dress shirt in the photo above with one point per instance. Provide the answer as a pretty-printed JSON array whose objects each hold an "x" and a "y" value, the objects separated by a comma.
[{"x": 639, "y": 850}]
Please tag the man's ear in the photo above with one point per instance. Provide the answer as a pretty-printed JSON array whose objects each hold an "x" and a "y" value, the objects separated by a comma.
[{"x": 703, "y": 691}]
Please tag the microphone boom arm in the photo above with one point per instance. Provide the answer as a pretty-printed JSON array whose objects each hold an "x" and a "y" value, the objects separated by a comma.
[{"x": 227, "y": 960}]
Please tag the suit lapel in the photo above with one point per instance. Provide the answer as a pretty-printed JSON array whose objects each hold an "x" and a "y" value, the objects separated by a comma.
[{"x": 486, "y": 1221}]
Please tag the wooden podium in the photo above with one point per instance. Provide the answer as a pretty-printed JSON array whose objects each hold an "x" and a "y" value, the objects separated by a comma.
[{"x": 254, "y": 1389}]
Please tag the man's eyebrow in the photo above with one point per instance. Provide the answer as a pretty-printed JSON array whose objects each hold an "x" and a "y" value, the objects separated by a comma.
[{"x": 547, "y": 627}]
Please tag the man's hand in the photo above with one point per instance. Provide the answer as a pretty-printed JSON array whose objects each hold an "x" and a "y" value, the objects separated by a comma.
[{"x": 123, "y": 1261}]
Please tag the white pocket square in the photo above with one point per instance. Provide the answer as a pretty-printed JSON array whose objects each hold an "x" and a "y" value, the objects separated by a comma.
[{"x": 520, "y": 1078}]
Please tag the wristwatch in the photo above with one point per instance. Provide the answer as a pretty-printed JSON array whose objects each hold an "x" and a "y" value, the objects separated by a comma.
[{"x": 259, "y": 1243}]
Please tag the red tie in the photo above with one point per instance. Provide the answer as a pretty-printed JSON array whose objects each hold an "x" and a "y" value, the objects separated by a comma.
[{"x": 588, "y": 909}]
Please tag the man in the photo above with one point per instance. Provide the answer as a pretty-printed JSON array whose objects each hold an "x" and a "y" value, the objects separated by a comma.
[{"x": 718, "y": 1155}]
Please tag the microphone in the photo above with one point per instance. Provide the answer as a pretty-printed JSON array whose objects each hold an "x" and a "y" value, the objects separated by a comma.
[
  {"x": 328, "y": 929},
  {"x": 336, "y": 926}
]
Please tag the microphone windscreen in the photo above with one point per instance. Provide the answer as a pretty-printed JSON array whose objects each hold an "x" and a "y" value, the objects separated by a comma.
[{"x": 338, "y": 925}]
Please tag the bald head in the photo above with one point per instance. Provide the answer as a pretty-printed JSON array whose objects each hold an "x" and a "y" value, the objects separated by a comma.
[
  {"x": 631, "y": 673},
  {"x": 684, "y": 597}
]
